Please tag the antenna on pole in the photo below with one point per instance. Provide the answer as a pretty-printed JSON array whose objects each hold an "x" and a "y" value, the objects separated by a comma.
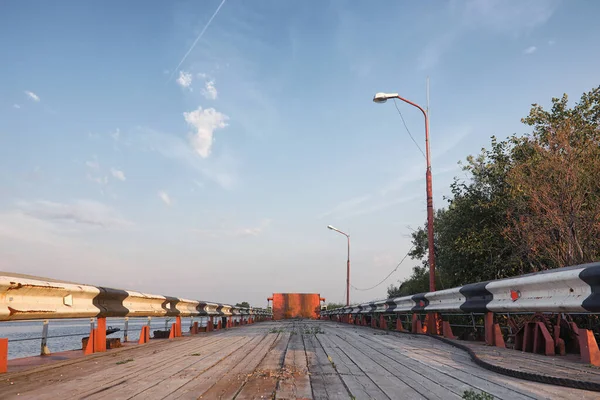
[{"x": 428, "y": 96}]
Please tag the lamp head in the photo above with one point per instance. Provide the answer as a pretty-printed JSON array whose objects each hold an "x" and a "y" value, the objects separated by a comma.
[{"x": 383, "y": 97}]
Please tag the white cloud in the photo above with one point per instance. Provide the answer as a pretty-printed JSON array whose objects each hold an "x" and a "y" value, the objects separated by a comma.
[
  {"x": 165, "y": 198},
  {"x": 16, "y": 106},
  {"x": 93, "y": 164},
  {"x": 185, "y": 79},
  {"x": 530, "y": 50},
  {"x": 221, "y": 169},
  {"x": 81, "y": 212},
  {"x": 116, "y": 135},
  {"x": 205, "y": 123},
  {"x": 210, "y": 91},
  {"x": 32, "y": 96},
  {"x": 117, "y": 174},
  {"x": 551, "y": 42}
]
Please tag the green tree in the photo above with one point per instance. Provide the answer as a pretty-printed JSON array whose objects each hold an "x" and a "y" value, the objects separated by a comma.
[
  {"x": 243, "y": 304},
  {"x": 418, "y": 282},
  {"x": 555, "y": 212},
  {"x": 333, "y": 306}
]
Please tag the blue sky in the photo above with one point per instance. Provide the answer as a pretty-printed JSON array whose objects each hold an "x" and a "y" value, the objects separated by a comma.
[{"x": 216, "y": 180}]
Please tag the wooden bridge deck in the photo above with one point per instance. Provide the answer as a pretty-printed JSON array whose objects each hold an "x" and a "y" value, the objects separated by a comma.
[{"x": 283, "y": 360}]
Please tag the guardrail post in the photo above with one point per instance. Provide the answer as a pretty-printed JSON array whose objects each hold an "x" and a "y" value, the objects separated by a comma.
[
  {"x": 100, "y": 342},
  {"x": 493, "y": 333},
  {"x": 44, "y": 351},
  {"x": 145, "y": 333},
  {"x": 558, "y": 342},
  {"x": 178, "y": 326},
  {"x": 3, "y": 355},
  {"x": 416, "y": 324},
  {"x": 399, "y": 326},
  {"x": 588, "y": 347},
  {"x": 126, "y": 330},
  {"x": 542, "y": 335},
  {"x": 90, "y": 346},
  {"x": 447, "y": 330},
  {"x": 432, "y": 321}
]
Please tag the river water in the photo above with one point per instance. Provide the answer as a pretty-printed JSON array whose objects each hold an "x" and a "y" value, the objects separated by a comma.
[{"x": 24, "y": 337}]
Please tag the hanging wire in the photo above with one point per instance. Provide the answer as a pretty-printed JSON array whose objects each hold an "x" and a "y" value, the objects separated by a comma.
[
  {"x": 407, "y": 130},
  {"x": 388, "y": 275}
]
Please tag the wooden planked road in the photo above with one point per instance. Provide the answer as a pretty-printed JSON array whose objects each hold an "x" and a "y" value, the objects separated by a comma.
[{"x": 282, "y": 360}]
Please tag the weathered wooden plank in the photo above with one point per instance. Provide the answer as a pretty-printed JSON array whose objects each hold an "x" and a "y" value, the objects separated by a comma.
[
  {"x": 357, "y": 382},
  {"x": 236, "y": 377},
  {"x": 194, "y": 379},
  {"x": 263, "y": 382},
  {"x": 500, "y": 386},
  {"x": 325, "y": 380},
  {"x": 294, "y": 382},
  {"x": 414, "y": 375},
  {"x": 170, "y": 376},
  {"x": 390, "y": 384},
  {"x": 136, "y": 375},
  {"x": 108, "y": 369},
  {"x": 327, "y": 361}
]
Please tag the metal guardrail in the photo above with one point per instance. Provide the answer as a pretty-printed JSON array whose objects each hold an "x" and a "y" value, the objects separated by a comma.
[
  {"x": 27, "y": 298},
  {"x": 534, "y": 312},
  {"x": 33, "y": 298},
  {"x": 570, "y": 289}
]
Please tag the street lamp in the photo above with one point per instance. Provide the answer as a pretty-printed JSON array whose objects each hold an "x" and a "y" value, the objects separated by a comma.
[
  {"x": 382, "y": 98},
  {"x": 347, "y": 264}
]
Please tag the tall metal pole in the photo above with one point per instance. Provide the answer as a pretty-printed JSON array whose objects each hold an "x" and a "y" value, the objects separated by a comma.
[
  {"x": 429, "y": 202},
  {"x": 429, "y": 210},
  {"x": 347, "y": 264},
  {"x": 429, "y": 197},
  {"x": 348, "y": 275}
]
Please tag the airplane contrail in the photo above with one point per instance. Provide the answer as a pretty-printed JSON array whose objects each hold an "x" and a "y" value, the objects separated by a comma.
[{"x": 196, "y": 41}]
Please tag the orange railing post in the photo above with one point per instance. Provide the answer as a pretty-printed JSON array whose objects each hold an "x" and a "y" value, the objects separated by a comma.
[
  {"x": 3, "y": 355},
  {"x": 100, "y": 336}
]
